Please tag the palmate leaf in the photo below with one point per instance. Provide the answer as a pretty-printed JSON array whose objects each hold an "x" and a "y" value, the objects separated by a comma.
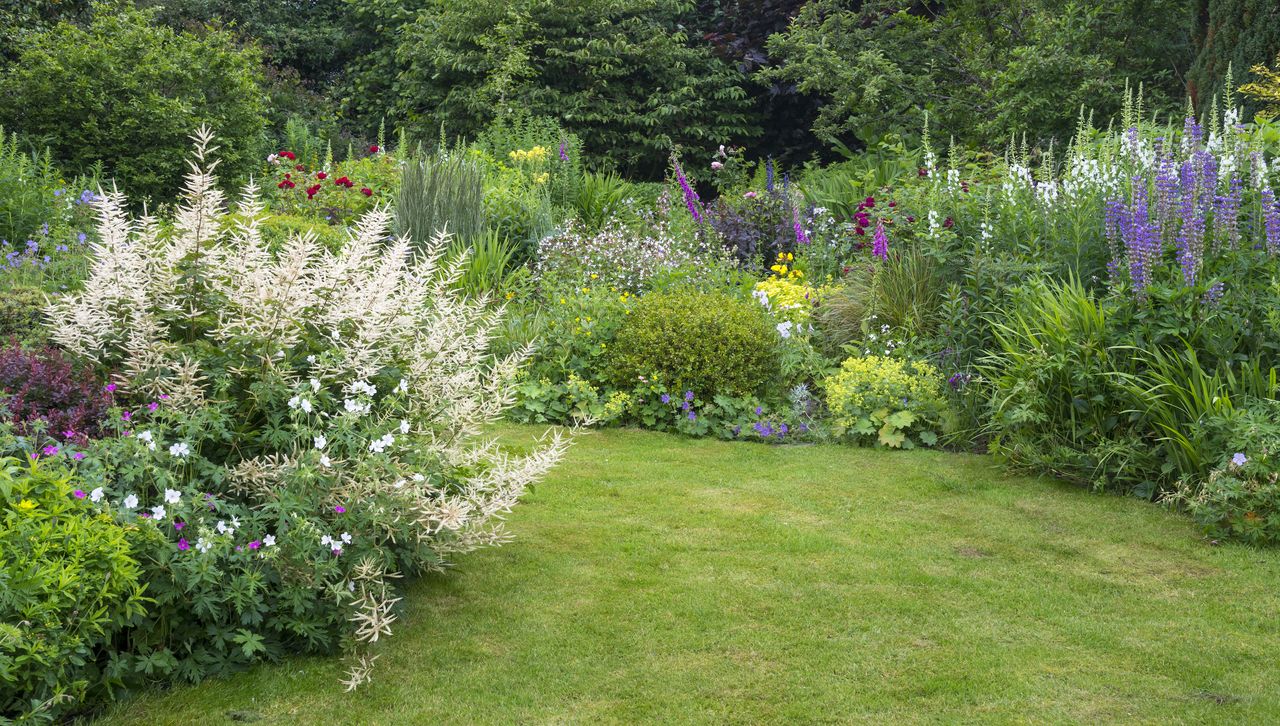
[
  {"x": 900, "y": 419},
  {"x": 892, "y": 437}
]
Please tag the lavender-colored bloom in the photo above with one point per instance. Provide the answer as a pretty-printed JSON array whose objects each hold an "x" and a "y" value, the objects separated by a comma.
[
  {"x": 768, "y": 174},
  {"x": 1214, "y": 294},
  {"x": 1226, "y": 212},
  {"x": 688, "y": 395},
  {"x": 1239, "y": 459},
  {"x": 880, "y": 246},
  {"x": 666, "y": 398},
  {"x": 1192, "y": 134},
  {"x": 693, "y": 416},
  {"x": 802, "y": 238},
  {"x": 1271, "y": 220},
  {"x": 564, "y": 154},
  {"x": 690, "y": 196}
]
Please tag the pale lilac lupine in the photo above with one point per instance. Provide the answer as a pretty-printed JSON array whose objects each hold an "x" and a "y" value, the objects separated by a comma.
[
  {"x": 1191, "y": 236},
  {"x": 1226, "y": 213},
  {"x": 768, "y": 174},
  {"x": 1271, "y": 220}
]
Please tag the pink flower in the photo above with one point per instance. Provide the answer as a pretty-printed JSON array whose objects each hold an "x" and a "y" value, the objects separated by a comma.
[
  {"x": 126, "y": 416},
  {"x": 340, "y": 509},
  {"x": 182, "y": 544},
  {"x": 716, "y": 166},
  {"x": 152, "y": 406},
  {"x": 50, "y": 450},
  {"x": 255, "y": 545},
  {"x": 179, "y": 525},
  {"x": 79, "y": 455},
  {"x": 111, "y": 388},
  {"x": 79, "y": 493},
  {"x": 750, "y": 195}
]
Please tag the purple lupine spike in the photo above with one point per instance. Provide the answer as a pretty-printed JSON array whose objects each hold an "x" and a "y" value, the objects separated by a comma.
[
  {"x": 768, "y": 174},
  {"x": 1191, "y": 236},
  {"x": 690, "y": 196},
  {"x": 880, "y": 246},
  {"x": 1166, "y": 191},
  {"x": 564, "y": 152},
  {"x": 1192, "y": 134},
  {"x": 1271, "y": 220},
  {"x": 1226, "y": 213}
]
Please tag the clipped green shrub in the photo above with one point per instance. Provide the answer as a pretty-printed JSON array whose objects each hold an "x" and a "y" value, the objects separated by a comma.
[
  {"x": 886, "y": 402},
  {"x": 68, "y": 584},
  {"x": 705, "y": 342},
  {"x": 21, "y": 312}
]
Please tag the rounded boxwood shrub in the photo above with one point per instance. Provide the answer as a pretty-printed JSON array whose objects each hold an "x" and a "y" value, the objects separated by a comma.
[
  {"x": 68, "y": 584},
  {"x": 705, "y": 342}
]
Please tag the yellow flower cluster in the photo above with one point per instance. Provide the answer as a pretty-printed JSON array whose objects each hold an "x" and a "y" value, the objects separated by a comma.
[
  {"x": 536, "y": 154},
  {"x": 788, "y": 299},
  {"x": 866, "y": 384},
  {"x": 541, "y": 178},
  {"x": 784, "y": 267}
]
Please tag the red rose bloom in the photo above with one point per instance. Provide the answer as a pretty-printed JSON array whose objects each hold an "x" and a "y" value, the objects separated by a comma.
[{"x": 374, "y": 149}]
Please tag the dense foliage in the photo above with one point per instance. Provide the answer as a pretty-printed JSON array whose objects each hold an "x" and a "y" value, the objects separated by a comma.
[{"x": 125, "y": 92}]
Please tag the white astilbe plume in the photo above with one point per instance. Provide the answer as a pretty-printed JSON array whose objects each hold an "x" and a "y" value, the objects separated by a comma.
[{"x": 318, "y": 322}]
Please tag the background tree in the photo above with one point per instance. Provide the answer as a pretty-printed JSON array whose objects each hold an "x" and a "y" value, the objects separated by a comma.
[
  {"x": 127, "y": 91},
  {"x": 1230, "y": 33}
]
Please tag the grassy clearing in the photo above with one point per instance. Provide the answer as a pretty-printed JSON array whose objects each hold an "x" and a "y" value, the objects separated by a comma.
[{"x": 662, "y": 579}]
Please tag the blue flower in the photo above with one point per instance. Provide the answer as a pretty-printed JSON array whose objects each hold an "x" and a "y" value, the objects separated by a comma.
[
  {"x": 693, "y": 416},
  {"x": 1239, "y": 459},
  {"x": 666, "y": 398},
  {"x": 688, "y": 395}
]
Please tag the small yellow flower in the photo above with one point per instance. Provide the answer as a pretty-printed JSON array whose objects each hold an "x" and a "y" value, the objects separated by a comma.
[
  {"x": 594, "y": 276},
  {"x": 26, "y": 505}
]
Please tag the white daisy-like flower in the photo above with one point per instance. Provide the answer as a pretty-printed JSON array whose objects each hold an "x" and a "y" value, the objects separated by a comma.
[
  {"x": 130, "y": 501},
  {"x": 172, "y": 496},
  {"x": 180, "y": 449}
]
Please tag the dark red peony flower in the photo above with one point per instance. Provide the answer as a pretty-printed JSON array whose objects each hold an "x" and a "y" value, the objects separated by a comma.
[
  {"x": 299, "y": 167},
  {"x": 343, "y": 181},
  {"x": 374, "y": 149},
  {"x": 288, "y": 155},
  {"x": 949, "y": 223},
  {"x": 312, "y": 191},
  {"x": 922, "y": 172},
  {"x": 366, "y": 191},
  {"x": 321, "y": 175}
]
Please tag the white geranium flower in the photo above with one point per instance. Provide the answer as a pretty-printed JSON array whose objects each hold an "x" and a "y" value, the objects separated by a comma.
[
  {"x": 326, "y": 540},
  {"x": 404, "y": 427},
  {"x": 784, "y": 329},
  {"x": 172, "y": 496},
  {"x": 96, "y": 495},
  {"x": 305, "y": 404},
  {"x": 346, "y": 538},
  {"x": 321, "y": 441},
  {"x": 293, "y": 402},
  {"x": 269, "y": 540},
  {"x": 130, "y": 501},
  {"x": 203, "y": 545},
  {"x": 180, "y": 449},
  {"x": 158, "y": 512},
  {"x": 315, "y": 385},
  {"x": 148, "y": 437},
  {"x": 324, "y": 460}
]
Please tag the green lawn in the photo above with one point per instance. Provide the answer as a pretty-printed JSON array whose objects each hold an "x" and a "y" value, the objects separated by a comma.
[{"x": 662, "y": 579}]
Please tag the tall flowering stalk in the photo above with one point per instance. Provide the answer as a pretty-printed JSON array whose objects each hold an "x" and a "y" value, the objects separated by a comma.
[
  {"x": 1271, "y": 220},
  {"x": 880, "y": 242},
  {"x": 690, "y": 196}
]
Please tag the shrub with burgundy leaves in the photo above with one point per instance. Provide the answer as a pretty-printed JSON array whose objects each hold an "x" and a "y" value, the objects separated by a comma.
[{"x": 40, "y": 385}]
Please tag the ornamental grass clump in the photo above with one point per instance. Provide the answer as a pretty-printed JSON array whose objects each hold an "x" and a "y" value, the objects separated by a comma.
[{"x": 301, "y": 427}]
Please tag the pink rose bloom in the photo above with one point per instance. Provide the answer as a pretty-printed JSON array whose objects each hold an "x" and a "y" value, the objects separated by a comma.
[
  {"x": 750, "y": 195},
  {"x": 717, "y": 165}
]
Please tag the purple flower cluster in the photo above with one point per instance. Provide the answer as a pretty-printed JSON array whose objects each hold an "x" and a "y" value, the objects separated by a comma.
[
  {"x": 690, "y": 196},
  {"x": 880, "y": 246}
]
